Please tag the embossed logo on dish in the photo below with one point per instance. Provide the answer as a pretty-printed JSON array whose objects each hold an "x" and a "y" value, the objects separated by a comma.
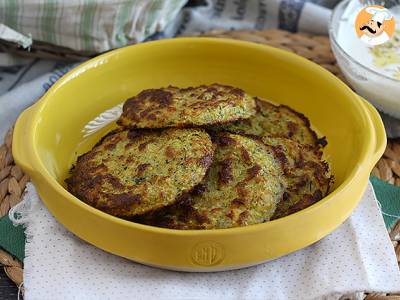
[{"x": 207, "y": 254}]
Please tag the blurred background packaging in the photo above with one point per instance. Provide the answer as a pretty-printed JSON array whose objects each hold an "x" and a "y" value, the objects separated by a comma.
[{"x": 83, "y": 28}]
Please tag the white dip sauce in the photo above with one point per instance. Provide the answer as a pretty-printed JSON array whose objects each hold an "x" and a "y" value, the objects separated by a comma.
[{"x": 385, "y": 58}]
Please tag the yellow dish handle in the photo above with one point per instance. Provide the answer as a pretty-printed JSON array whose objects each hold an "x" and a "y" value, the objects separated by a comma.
[
  {"x": 23, "y": 140},
  {"x": 380, "y": 133}
]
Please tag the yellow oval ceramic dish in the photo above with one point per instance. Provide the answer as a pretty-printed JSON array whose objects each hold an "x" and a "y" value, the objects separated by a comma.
[{"x": 50, "y": 135}]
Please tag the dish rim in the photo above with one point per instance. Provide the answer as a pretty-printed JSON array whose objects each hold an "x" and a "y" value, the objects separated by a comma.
[{"x": 37, "y": 166}]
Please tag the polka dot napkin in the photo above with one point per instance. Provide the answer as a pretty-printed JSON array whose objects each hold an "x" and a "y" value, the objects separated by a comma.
[{"x": 358, "y": 256}]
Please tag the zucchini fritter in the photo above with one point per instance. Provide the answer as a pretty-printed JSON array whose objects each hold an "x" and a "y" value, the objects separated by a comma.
[
  {"x": 305, "y": 172},
  {"x": 279, "y": 121},
  {"x": 242, "y": 187},
  {"x": 129, "y": 173},
  {"x": 175, "y": 107}
]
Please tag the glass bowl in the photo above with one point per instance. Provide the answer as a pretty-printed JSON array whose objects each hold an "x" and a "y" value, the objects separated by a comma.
[{"x": 381, "y": 90}]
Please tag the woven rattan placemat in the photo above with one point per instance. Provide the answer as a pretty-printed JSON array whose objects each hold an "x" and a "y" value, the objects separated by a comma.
[{"x": 315, "y": 48}]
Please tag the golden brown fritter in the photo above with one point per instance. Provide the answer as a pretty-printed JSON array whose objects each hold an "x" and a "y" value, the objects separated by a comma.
[
  {"x": 262, "y": 162},
  {"x": 279, "y": 121},
  {"x": 242, "y": 187},
  {"x": 175, "y": 107},
  {"x": 307, "y": 175},
  {"x": 129, "y": 173}
]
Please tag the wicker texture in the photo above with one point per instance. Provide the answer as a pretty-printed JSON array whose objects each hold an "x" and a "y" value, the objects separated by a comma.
[{"x": 315, "y": 48}]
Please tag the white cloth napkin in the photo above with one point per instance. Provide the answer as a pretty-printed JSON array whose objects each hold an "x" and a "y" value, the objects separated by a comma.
[{"x": 358, "y": 256}]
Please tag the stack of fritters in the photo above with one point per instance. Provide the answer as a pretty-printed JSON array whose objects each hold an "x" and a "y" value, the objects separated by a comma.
[{"x": 203, "y": 157}]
